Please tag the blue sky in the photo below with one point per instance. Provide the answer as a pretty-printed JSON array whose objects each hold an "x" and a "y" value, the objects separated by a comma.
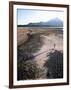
[{"x": 25, "y": 16}]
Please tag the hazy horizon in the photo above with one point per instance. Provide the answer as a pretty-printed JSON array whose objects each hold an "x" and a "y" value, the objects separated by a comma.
[{"x": 26, "y": 16}]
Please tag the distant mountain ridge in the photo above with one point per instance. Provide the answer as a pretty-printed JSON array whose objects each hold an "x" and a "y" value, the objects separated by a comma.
[{"x": 56, "y": 22}]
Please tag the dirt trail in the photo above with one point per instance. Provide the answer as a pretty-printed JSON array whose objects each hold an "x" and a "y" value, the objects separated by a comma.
[{"x": 51, "y": 42}]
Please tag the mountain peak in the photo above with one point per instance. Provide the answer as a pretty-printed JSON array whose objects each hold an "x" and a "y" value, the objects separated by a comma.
[{"x": 55, "y": 22}]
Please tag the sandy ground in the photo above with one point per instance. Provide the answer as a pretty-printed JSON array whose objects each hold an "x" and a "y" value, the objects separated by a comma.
[
  {"x": 51, "y": 43},
  {"x": 22, "y": 36},
  {"x": 39, "y": 45}
]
